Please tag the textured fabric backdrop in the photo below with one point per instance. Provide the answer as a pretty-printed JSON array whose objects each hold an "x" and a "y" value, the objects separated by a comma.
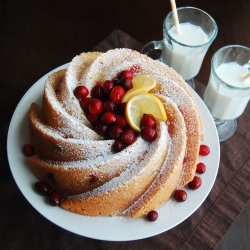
[{"x": 22, "y": 227}]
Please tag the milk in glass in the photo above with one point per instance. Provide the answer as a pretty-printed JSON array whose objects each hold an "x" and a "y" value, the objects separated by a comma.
[
  {"x": 227, "y": 103},
  {"x": 186, "y": 60}
]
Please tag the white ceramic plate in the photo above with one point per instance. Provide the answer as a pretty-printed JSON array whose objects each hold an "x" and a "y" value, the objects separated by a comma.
[{"x": 106, "y": 228}]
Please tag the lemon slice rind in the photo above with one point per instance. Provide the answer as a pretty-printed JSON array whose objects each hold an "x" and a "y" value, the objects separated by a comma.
[
  {"x": 141, "y": 84},
  {"x": 141, "y": 104}
]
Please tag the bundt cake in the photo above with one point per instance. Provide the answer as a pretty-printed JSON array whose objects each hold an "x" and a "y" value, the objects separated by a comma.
[{"x": 79, "y": 159}]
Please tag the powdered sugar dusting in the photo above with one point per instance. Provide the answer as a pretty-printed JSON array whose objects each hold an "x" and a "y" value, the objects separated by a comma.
[
  {"x": 148, "y": 166},
  {"x": 173, "y": 162},
  {"x": 139, "y": 172}
]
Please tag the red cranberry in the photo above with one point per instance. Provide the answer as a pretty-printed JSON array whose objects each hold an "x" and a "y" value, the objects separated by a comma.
[
  {"x": 115, "y": 81},
  {"x": 109, "y": 106},
  {"x": 180, "y": 195},
  {"x": 58, "y": 92},
  {"x": 126, "y": 83},
  {"x": 148, "y": 133},
  {"x": 170, "y": 128},
  {"x": 55, "y": 198},
  {"x": 81, "y": 92},
  {"x": 108, "y": 118},
  {"x": 42, "y": 187},
  {"x": 115, "y": 132},
  {"x": 28, "y": 150},
  {"x": 204, "y": 150},
  {"x": 101, "y": 129},
  {"x": 152, "y": 215},
  {"x": 135, "y": 68},
  {"x": 185, "y": 160},
  {"x": 129, "y": 129},
  {"x": 92, "y": 179},
  {"x": 128, "y": 137},
  {"x": 201, "y": 168},
  {"x": 94, "y": 119},
  {"x": 95, "y": 107},
  {"x": 195, "y": 183},
  {"x": 97, "y": 92},
  {"x": 118, "y": 146},
  {"x": 148, "y": 120},
  {"x": 127, "y": 74},
  {"x": 85, "y": 103},
  {"x": 108, "y": 86},
  {"x": 117, "y": 94},
  {"x": 122, "y": 108},
  {"x": 121, "y": 121}
]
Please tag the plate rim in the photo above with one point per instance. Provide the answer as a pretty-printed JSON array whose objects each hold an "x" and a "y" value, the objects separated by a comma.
[{"x": 152, "y": 229}]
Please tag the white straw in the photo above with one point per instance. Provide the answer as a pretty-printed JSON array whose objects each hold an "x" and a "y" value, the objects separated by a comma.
[
  {"x": 176, "y": 19},
  {"x": 246, "y": 77},
  {"x": 247, "y": 66}
]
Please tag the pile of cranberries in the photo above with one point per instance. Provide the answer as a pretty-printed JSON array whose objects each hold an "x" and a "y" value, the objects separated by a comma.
[{"x": 106, "y": 112}]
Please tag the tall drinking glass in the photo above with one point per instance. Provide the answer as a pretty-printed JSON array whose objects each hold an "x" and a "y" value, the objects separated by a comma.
[
  {"x": 228, "y": 90},
  {"x": 185, "y": 51}
]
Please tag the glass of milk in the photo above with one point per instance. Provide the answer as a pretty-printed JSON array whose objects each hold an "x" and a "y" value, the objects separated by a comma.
[
  {"x": 228, "y": 90},
  {"x": 184, "y": 51}
]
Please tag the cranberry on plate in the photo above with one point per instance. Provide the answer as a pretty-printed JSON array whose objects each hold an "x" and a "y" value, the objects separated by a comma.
[
  {"x": 152, "y": 215},
  {"x": 195, "y": 183},
  {"x": 180, "y": 195},
  {"x": 204, "y": 150}
]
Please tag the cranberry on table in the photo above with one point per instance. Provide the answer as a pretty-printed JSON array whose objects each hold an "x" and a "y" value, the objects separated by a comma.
[
  {"x": 118, "y": 146},
  {"x": 95, "y": 107},
  {"x": 43, "y": 187},
  {"x": 204, "y": 150},
  {"x": 180, "y": 195},
  {"x": 148, "y": 120},
  {"x": 108, "y": 118},
  {"x": 201, "y": 168},
  {"x": 55, "y": 198},
  {"x": 81, "y": 92},
  {"x": 195, "y": 183},
  {"x": 117, "y": 94},
  {"x": 148, "y": 133},
  {"x": 115, "y": 132},
  {"x": 152, "y": 215},
  {"x": 28, "y": 150}
]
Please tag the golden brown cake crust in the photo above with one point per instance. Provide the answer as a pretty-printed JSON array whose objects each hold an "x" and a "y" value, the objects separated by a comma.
[{"x": 78, "y": 162}]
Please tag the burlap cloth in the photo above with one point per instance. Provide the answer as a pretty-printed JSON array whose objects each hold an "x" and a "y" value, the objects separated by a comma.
[{"x": 22, "y": 227}]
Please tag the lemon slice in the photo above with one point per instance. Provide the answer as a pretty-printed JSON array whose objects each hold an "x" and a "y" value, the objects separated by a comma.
[
  {"x": 144, "y": 81},
  {"x": 141, "y": 104},
  {"x": 133, "y": 92},
  {"x": 141, "y": 84}
]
